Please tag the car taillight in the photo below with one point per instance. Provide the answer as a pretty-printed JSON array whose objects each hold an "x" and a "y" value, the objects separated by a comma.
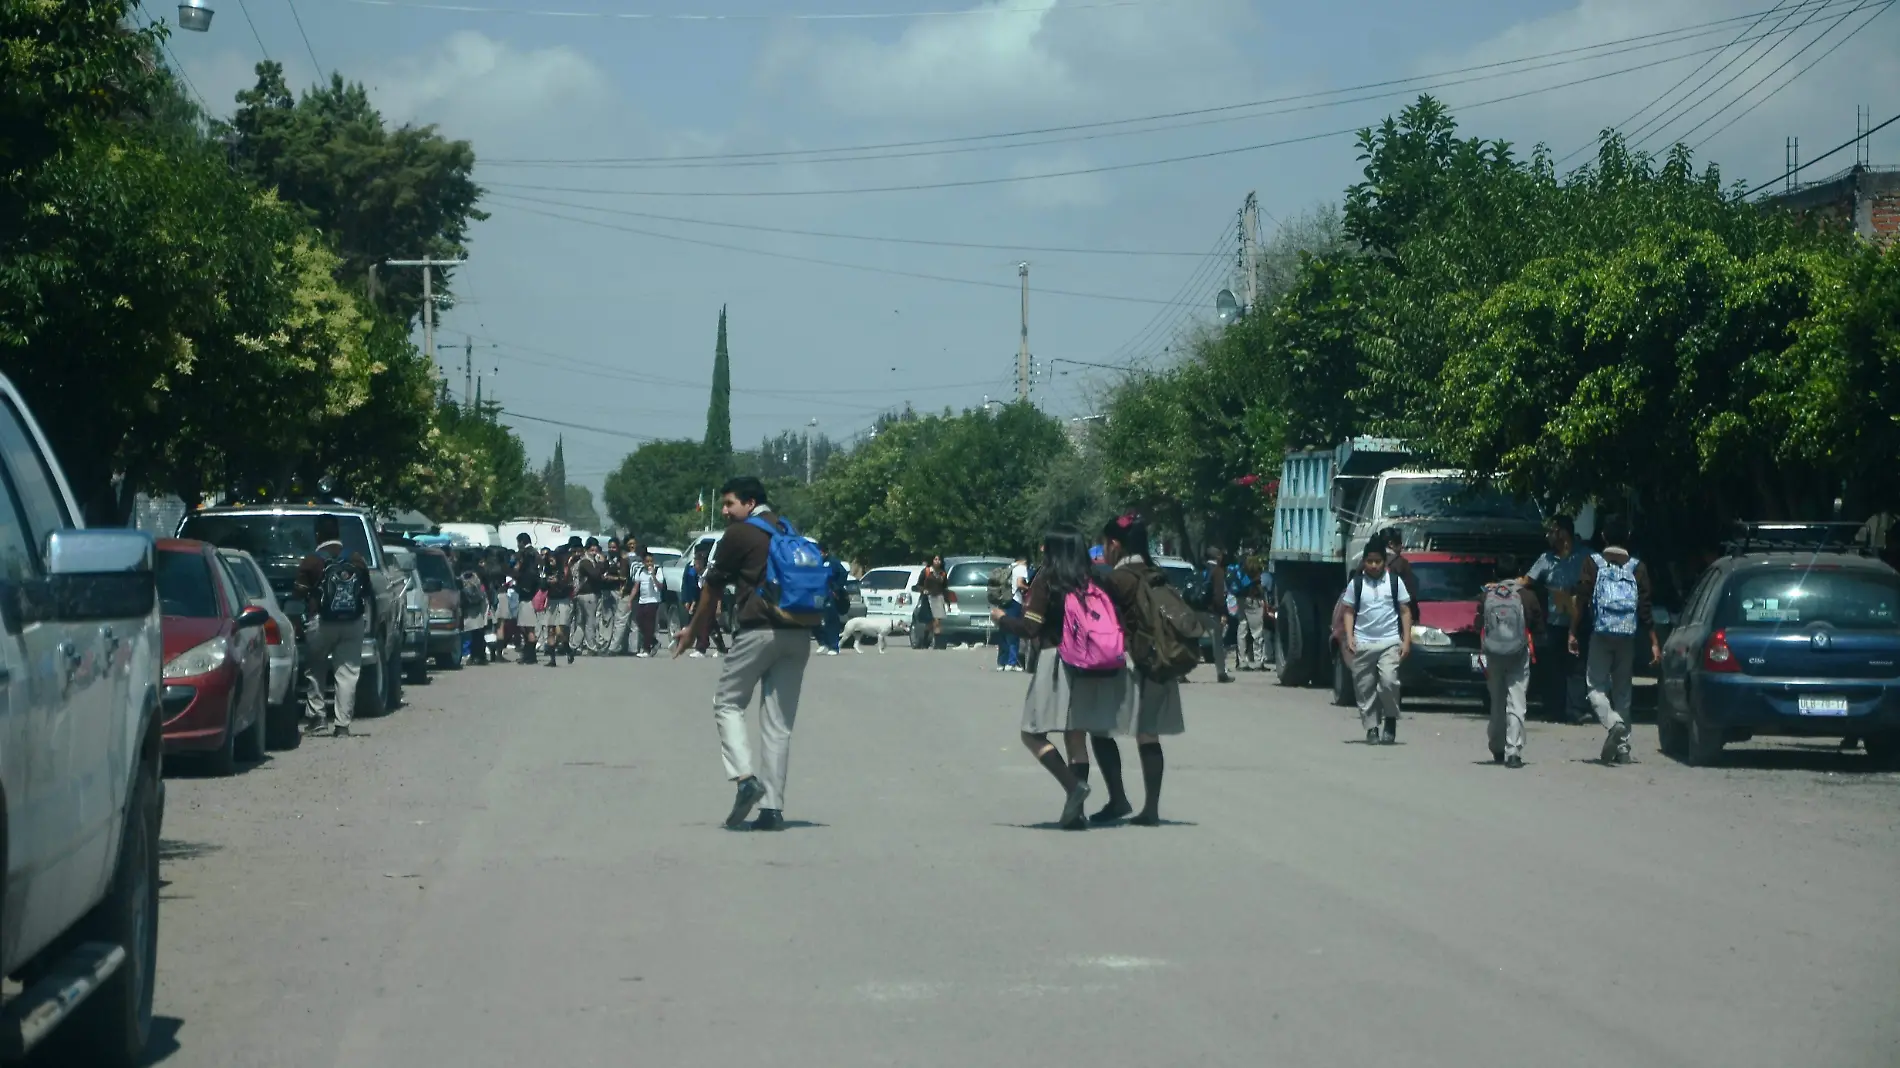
[
  {"x": 272, "y": 636},
  {"x": 1716, "y": 655}
]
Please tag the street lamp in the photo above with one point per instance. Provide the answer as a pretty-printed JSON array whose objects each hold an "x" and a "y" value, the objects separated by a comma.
[
  {"x": 194, "y": 15},
  {"x": 1226, "y": 308}
]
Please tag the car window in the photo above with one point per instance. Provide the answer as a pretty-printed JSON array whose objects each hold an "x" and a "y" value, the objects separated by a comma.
[
  {"x": 1698, "y": 598},
  {"x": 1849, "y": 600},
  {"x": 890, "y": 578},
  {"x": 245, "y": 574},
  {"x": 665, "y": 559},
  {"x": 184, "y": 585},
  {"x": 271, "y": 539},
  {"x": 1449, "y": 580},
  {"x": 975, "y": 574},
  {"x": 436, "y": 574},
  {"x": 18, "y": 560},
  {"x": 34, "y": 487}
]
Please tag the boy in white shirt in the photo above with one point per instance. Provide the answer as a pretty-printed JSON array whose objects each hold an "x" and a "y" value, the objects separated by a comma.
[{"x": 1377, "y": 634}]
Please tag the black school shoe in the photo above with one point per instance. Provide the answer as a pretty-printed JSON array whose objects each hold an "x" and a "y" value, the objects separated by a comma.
[
  {"x": 769, "y": 819},
  {"x": 1391, "y": 733},
  {"x": 744, "y": 797}
]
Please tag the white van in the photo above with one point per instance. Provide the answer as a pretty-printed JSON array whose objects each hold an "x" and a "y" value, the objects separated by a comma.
[{"x": 472, "y": 535}]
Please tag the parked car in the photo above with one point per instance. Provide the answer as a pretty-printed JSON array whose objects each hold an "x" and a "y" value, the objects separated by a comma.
[
  {"x": 279, "y": 536},
  {"x": 284, "y": 707},
  {"x": 968, "y": 619},
  {"x": 1186, "y": 580},
  {"x": 887, "y": 591},
  {"x": 415, "y": 616},
  {"x": 854, "y": 593},
  {"x": 80, "y": 756},
  {"x": 1446, "y": 659},
  {"x": 444, "y": 594},
  {"x": 217, "y": 665},
  {"x": 1787, "y": 641}
]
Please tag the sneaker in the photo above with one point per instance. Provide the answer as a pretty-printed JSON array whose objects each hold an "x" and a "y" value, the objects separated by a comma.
[
  {"x": 310, "y": 726},
  {"x": 714, "y": 654},
  {"x": 831, "y": 652},
  {"x": 1513, "y": 761},
  {"x": 1623, "y": 755},
  {"x": 1372, "y": 736},
  {"x": 341, "y": 730},
  {"x": 748, "y": 793},
  {"x": 1497, "y": 756},
  {"x": 1391, "y": 733},
  {"x": 1002, "y": 667},
  {"x": 1072, "y": 819},
  {"x": 1225, "y": 678},
  {"x": 1112, "y": 813},
  {"x": 1616, "y": 739},
  {"x": 696, "y": 655},
  {"x": 769, "y": 819}
]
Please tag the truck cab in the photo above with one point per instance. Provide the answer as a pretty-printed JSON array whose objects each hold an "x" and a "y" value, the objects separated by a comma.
[{"x": 80, "y": 754}]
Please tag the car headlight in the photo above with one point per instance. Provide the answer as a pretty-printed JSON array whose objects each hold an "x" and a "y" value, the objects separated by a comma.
[
  {"x": 441, "y": 615},
  {"x": 1422, "y": 635},
  {"x": 198, "y": 660}
]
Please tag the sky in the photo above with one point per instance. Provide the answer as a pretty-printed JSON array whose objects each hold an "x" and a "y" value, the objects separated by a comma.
[{"x": 583, "y": 308}]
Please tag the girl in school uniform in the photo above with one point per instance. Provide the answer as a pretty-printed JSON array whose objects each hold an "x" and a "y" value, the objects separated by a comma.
[
  {"x": 1156, "y": 706},
  {"x": 1062, "y": 698}
]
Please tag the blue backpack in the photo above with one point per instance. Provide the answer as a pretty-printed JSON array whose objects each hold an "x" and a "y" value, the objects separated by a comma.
[{"x": 797, "y": 584}]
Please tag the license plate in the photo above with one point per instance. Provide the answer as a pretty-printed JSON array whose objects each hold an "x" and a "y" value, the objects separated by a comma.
[
  {"x": 1822, "y": 706},
  {"x": 1477, "y": 663}
]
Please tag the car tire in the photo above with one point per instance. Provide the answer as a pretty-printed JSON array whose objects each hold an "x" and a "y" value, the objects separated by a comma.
[
  {"x": 393, "y": 654},
  {"x": 250, "y": 746},
  {"x": 1883, "y": 751},
  {"x": 1703, "y": 745},
  {"x": 223, "y": 760},
  {"x": 281, "y": 729},
  {"x": 416, "y": 672},
  {"x": 112, "y": 1028},
  {"x": 372, "y": 691},
  {"x": 1671, "y": 736},
  {"x": 448, "y": 662},
  {"x": 1294, "y": 634},
  {"x": 1343, "y": 695}
]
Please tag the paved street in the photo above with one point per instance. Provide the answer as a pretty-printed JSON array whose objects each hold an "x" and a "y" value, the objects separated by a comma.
[{"x": 524, "y": 867}]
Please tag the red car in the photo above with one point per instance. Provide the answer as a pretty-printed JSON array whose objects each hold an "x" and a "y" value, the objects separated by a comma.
[
  {"x": 1445, "y": 651},
  {"x": 217, "y": 666}
]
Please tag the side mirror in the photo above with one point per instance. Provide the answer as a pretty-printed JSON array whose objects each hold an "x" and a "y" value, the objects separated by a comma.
[
  {"x": 100, "y": 574},
  {"x": 252, "y": 617}
]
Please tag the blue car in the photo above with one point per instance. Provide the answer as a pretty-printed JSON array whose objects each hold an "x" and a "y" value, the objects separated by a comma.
[{"x": 1789, "y": 643}]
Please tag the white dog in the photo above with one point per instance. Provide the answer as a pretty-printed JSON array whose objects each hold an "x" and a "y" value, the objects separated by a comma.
[{"x": 873, "y": 629}]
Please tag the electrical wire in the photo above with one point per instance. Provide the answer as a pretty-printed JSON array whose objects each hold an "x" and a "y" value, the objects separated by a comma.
[
  {"x": 1156, "y": 117},
  {"x": 1830, "y": 28},
  {"x": 512, "y": 414},
  {"x": 1797, "y": 74},
  {"x": 893, "y": 271},
  {"x": 1804, "y": 165},
  {"x": 851, "y": 237},
  {"x": 1689, "y": 101},
  {"x": 246, "y": 8},
  {"x": 843, "y": 16},
  {"x": 306, "y": 38}
]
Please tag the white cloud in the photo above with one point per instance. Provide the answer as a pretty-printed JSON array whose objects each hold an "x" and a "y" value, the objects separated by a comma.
[{"x": 502, "y": 97}]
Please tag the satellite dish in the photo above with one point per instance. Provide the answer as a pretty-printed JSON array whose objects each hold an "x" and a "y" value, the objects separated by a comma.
[{"x": 1226, "y": 307}]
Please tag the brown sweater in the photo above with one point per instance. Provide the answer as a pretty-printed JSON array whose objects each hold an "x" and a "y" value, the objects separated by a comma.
[
  {"x": 740, "y": 559},
  {"x": 1041, "y": 620}
]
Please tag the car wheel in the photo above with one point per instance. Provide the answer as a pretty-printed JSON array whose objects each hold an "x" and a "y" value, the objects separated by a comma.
[
  {"x": 113, "y": 1026},
  {"x": 281, "y": 730},
  {"x": 1343, "y": 695},
  {"x": 249, "y": 746},
  {"x": 1883, "y": 750},
  {"x": 1671, "y": 736},
  {"x": 1704, "y": 742},
  {"x": 224, "y": 760},
  {"x": 393, "y": 654},
  {"x": 416, "y": 672},
  {"x": 372, "y": 692}
]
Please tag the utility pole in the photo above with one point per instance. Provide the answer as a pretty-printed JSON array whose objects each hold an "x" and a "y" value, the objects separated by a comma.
[
  {"x": 428, "y": 297},
  {"x": 1250, "y": 250},
  {"x": 1022, "y": 354},
  {"x": 468, "y": 375},
  {"x": 808, "y": 429}
]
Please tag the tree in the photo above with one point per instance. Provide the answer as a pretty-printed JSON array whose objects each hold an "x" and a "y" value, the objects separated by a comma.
[
  {"x": 379, "y": 193},
  {"x": 579, "y": 511},
  {"x": 657, "y": 487},
  {"x": 554, "y": 482},
  {"x": 718, "y": 444},
  {"x": 477, "y": 469}
]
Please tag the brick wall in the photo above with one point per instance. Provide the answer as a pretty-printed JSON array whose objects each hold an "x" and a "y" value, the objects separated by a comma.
[{"x": 1887, "y": 217}]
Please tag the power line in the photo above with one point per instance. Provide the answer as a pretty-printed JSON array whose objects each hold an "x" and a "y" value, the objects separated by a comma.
[
  {"x": 1689, "y": 101},
  {"x": 246, "y": 8},
  {"x": 1797, "y": 74},
  {"x": 852, "y": 237},
  {"x": 1830, "y": 28},
  {"x": 512, "y": 414},
  {"x": 1679, "y": 34},
  {"x": 896, "y": 272},
  {"x": 843, "y": 16},
  {"x": 1102, "y": 169},
  {"x": 1842, "y": 147},
  {"x": 306, "y": 39}
]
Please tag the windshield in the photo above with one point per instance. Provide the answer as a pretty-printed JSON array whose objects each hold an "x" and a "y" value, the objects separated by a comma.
[
  {"x": 665, "y": 560},
  {"x": 1452, "y": 497},
  {"x": 277, "y": 542},
  {"x": 1462, "y": 580},
  {"x": 1180, "y": 576},
  {"x": 246, "y": 576},
  {"x": 436, "y": 574},
  {"x": 184, "y": 586},
  {"x": 976, "y": 573},
  {"x": 887, "y": 580},
  {"x": 1848, "y": 600}
]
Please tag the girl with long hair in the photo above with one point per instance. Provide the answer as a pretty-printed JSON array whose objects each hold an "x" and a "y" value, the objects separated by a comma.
[
  {"x": 1157, "y": 704},
  {"x": 1063, "y": 698},
  {"x": 934, "y": 584}
]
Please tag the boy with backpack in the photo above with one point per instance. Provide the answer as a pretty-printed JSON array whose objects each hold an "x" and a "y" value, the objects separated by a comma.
[
  {"x": 1613, "y": 601},
  {"x": 781, "y": 582},
  {"x": 1376, "y": 633},
  {"x": 1507, "y": 617},
  {"x": 336, "y": 591}
]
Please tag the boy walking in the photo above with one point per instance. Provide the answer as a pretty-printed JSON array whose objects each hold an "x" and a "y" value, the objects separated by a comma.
[
  {"x": 1613, "y": 602},
  {"x": 1377, "y": 632},
  {"x": 1508, "y": 617}
]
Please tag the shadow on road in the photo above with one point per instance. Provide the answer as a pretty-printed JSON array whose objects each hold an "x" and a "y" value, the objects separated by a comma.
[
  {"x": 164, "y": 1040},
  {"x": 172, "y": 849},
  {"x": 1821, "y": 758}
]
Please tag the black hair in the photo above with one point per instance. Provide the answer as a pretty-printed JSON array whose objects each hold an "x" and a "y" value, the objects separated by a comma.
[
  {"x": 524, "y": 538},
  {"x": 1617, "y": 532},
  {"x": 1393, "y": 537},
  {"x": 593, "y": 543},
  {"x": 1564, "y": 523},
  {"x": 1065, "y": 559},
  {"x": 1131, "y": 531},
  {"x": 745, "y": 488},
  {"x": 329, "y": 528},
  {"x": 1373, "y": 549}
]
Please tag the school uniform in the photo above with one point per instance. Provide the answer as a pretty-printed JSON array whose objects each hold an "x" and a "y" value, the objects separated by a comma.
[
  {"x": 1377, "y": 617},
  {"x": 1059, "y": 697}
]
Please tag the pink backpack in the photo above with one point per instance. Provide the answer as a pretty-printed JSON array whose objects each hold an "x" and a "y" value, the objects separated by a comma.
[{"x": 1091, "y": 631}]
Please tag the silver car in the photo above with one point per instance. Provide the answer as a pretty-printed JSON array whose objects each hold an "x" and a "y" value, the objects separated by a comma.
[
  {"x": 280, "y": 638},
  {"x": 415, "y": 615},
  {"x": 968, "y": 619}
]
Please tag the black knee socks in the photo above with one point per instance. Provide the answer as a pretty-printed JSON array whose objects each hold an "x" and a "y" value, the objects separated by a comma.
[
  {"x": 1108, "y": 757},
  {"x": 1059, "y": 767},
  {"x": 1151, "y": 767},
  {"x": 1080, "y": 771}
]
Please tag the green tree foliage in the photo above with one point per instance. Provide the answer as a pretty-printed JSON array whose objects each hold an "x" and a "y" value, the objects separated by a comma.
[
  {"x": 476, "y": 470},
  {"x": 378, "y": 193},
  {"x": 579, "y": 511},
  {"x": 655, "y": 492},
  {"x": 718, "y": 443},
  {"x": 938, "y": 484}
]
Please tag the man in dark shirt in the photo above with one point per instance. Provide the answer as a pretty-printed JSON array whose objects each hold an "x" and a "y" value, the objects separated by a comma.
[
  {"x": 333, "y": 632},
  {"x": 1217, "y": 605},
  {"x": 587, "y": 587},
  {"x": 527, "y": 576},
  {"x": 767, "y": 654}
]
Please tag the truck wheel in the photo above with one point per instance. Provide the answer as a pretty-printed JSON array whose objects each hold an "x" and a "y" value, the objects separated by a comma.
[
  {"x": 113, "y": 1026},
  {"x": 1299, "y": 654},
  {"x": 1343, "y": 695},
  {"x": 372, "y": 691}
]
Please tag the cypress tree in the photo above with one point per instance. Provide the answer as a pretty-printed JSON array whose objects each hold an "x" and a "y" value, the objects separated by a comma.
[
  {"x": 554, "y": 481},
  {"x": 718, "y": 444}
]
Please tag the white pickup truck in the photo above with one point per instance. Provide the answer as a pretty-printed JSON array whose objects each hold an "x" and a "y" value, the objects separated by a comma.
[{"x": 79, "y": 765}]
